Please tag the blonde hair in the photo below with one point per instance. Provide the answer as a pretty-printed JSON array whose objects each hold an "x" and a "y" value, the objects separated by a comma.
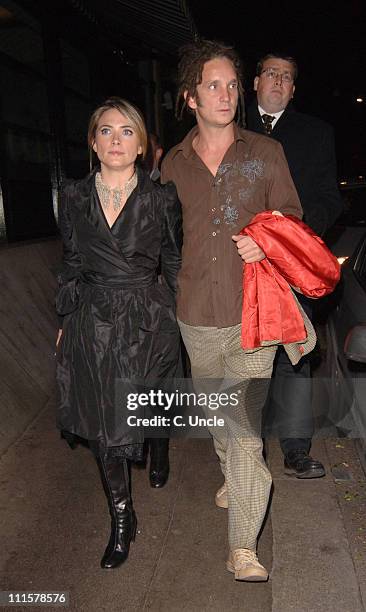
[{"x": 131, "y": 112}]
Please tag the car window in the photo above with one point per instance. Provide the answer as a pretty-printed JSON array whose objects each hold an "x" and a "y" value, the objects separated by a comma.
[
  {"x": 362, "y": 269},
  {"x": 354, "y": 201},
  {"x": 359, "y": 265}
]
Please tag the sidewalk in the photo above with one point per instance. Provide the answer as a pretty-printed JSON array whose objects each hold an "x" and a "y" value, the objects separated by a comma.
[{"x": 55, "y": 524}]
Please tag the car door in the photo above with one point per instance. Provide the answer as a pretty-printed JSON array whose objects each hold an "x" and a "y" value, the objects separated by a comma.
[{"x": 351, "y": 311}]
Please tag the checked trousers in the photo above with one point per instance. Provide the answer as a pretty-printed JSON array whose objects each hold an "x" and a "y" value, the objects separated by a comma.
[{"x": 219, "y": 364}]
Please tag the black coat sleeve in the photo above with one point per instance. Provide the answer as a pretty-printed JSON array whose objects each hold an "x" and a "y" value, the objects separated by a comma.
[
  {"x": 327, "y": 206},
  {"x": 172, "y": 236},
  {"x": 69, "y": 270}
]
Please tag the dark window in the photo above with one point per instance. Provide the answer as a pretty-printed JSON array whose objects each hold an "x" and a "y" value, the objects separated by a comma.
[{"x": 354, "y": 200}]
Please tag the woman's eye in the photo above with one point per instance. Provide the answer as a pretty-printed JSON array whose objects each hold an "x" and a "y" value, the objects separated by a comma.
[
  {"x": 105, "y": 131},
  {"x": 127, "y": 132}
]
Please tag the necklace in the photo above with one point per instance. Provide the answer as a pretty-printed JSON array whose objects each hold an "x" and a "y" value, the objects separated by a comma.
[{"x": 118, "y": 193}]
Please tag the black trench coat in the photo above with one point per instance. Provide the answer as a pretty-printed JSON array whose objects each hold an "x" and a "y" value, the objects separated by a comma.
[{"x": 118, "y": 321}]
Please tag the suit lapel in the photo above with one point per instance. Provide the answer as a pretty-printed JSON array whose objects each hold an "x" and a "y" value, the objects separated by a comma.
[{"x": 255, "y": 122}]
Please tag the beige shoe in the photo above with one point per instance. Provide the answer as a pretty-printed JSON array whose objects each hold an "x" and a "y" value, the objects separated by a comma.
[
  {"x": 221, "y": 497},
  {"x": 245, "y": 565}
]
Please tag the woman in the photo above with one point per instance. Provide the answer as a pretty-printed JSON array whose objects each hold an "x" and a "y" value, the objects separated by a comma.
[{"x": 118, "y": 323}]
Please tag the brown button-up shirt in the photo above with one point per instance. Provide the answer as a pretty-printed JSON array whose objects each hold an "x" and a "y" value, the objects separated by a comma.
[{"x": 252, "y": 177}]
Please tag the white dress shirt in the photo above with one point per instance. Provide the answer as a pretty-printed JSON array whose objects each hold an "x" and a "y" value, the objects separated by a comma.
[{"x": 275, "y": 115}]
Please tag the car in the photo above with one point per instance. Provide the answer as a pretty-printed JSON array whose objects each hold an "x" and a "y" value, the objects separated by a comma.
[
  {"x": 349, "y": 228},
  {"x": 346, "y": 349}
]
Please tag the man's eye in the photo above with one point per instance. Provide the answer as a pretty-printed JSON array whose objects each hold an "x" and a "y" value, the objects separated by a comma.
[
  {"x": 234, "y": 86},
  {"x": 127, "y": 132},
  {"x": 212, "y": 86}
]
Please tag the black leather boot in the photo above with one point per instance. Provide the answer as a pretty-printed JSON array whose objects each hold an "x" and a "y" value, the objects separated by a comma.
[
  {"x": 159, "y": 462},
  {"x": 115, "y": 479}
]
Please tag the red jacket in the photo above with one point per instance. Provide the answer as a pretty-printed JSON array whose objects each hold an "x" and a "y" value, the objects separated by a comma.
[{"x": 294, "y": 256}]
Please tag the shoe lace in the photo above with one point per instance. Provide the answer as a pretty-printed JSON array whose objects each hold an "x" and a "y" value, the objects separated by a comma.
[{"x": 243, "y": 556}]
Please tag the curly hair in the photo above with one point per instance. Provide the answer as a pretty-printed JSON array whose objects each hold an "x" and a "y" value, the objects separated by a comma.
[{"x": 193, "y": 57}]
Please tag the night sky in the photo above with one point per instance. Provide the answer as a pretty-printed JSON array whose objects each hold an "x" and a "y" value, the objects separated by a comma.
[{"x": 328, "y": 39}]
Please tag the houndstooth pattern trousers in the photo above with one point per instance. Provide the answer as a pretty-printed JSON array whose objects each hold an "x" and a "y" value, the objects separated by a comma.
[{"x": 219, "y": 363}]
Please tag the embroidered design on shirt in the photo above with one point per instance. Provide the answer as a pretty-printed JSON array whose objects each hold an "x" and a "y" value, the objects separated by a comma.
[
  {"x": 252, "y": 169},
  {"x": 245, "y": 193},
  {"x": 236, "y": 185},
  {"x": 231, "y": 214},
  {"x": 223, "y": 168}
]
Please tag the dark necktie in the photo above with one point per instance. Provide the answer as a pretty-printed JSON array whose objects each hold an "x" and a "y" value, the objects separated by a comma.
[{"x": 267, "y": 123}]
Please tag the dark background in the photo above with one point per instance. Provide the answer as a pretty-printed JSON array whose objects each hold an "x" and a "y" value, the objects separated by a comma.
[
  {"x": 327, "y": 38},
  {"x": 60, "y": 59}
]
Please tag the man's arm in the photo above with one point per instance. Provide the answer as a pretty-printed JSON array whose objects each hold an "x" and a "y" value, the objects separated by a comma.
[
  {"x": 323, "y": 212},
  {"x": 281, "y": 195}
]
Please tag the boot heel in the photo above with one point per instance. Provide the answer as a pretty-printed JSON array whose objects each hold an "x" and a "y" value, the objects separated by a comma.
[{"x": 159, "y": 462}]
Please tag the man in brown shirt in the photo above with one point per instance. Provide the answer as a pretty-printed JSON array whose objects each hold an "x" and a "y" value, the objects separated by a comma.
[{"x": 224, "y": 176}]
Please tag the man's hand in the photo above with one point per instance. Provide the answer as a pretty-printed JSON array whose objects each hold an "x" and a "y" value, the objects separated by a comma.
[{"x": 248, "y": 250}]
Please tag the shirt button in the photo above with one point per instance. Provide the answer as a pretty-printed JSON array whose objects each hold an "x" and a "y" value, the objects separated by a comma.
[
  {"x": 214, "y": 258},
  {"x": 214, "y": 233}
]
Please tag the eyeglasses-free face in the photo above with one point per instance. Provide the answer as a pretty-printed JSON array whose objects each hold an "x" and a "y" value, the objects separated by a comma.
[
  {"x": 116, "y": 143},
  {"x": 216, "y": 98},
  {"x": 275, "y": 85}
]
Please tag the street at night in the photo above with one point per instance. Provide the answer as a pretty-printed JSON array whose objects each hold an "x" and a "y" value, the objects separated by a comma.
[{"x": 183, "y": 306}]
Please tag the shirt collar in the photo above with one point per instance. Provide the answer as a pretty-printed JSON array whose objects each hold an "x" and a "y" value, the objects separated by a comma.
[
  {"x": 275, "y": 115},
  {"x": 186, "y": 145}
]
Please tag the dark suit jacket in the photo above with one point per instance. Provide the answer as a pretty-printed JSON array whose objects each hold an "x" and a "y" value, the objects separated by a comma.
[{"x": 308, "y": 143}]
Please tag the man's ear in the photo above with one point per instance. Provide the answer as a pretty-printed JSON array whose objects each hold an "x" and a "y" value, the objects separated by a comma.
[
  {"x": 293, "y": 90},
  {"x": 190, "y": 100},
  {"x": 255, "y": 84}
]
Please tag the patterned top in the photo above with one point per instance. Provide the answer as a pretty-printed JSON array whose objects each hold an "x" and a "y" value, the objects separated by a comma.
[{"x": 253, "y": 176}]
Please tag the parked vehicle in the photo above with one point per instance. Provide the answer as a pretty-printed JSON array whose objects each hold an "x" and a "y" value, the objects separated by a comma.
[
  {"x": 346, "y": 348},
  {"x": 351, "y": 225}
]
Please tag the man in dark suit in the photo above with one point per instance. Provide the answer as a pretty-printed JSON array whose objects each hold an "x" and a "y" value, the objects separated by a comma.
[{"x": 308, "y": 144}]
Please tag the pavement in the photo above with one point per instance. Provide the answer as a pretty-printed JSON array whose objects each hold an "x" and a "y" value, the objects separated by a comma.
[{"x": 55, "y": 526}]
